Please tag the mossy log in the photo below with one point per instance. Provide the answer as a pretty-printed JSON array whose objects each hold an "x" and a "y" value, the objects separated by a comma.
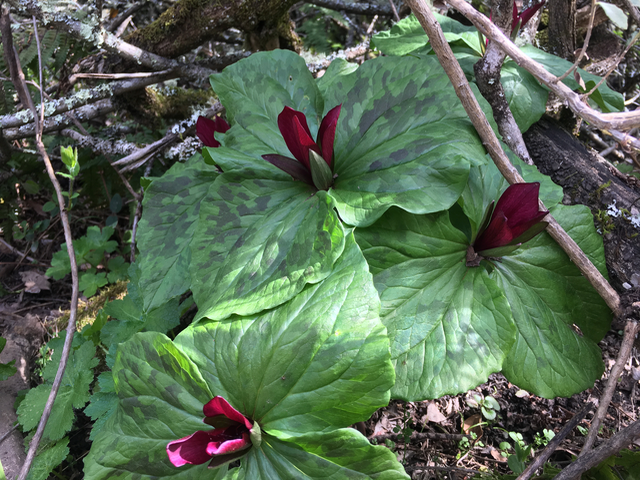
[{"x": 190, "y": 23}]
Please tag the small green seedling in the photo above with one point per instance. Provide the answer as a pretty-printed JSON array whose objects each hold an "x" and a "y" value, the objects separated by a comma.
[
  {"x": 543, "y": 439},
  {"x": 488, "y": 405},
  {"x": 516, "y": 462}
]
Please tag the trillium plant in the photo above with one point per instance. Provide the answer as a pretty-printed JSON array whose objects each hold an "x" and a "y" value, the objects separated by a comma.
[{"x": 346, "y": 241}]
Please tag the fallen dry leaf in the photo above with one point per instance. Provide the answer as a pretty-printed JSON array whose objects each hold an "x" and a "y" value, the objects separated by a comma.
[
  {"x": 434, "y": 415},
  {"x": 471, "y": 425},
  {"x": 34, "y": 281}
]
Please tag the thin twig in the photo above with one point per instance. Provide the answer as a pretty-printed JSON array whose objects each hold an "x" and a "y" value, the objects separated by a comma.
[
  {"x": 6, "y": 435},
  {"x": 615, "y": 64},
  {"x": 630, "y": 330},
  {"x": 395, "y": 12},
  {"x": 555, "y": 443},
  {"x": 592, "y": 458},
  {"x": 491, "y": 143},
  {"x": 585, "y": 45},
  {"x": 15, "y": 250},
  {"x": 71, "y": 326}
]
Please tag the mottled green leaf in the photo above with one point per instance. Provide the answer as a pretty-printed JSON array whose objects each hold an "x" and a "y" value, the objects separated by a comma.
[
  {"x": 259, "y": 242},
  {"x": 313, "y": 363},
  {"x": 255, "y": 90},
  {"x": 449, "y": 326},
  {"x": 408, "y": 36},
  {"x": 170, "y": 216},
  {"x": 393, "y": 141},
  {"x": 316, "y": 363},
  {"x": 330, "y": 456},
  {"x": 549, "y": 357}
]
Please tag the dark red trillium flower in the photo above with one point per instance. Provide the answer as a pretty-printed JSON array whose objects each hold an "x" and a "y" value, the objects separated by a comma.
[
  {"x": 313, "y": 160},
  {"x": 228, "y": 441},
  {"x": 521, "y": 20},
  {"x": 205, "y": 129},
  {"x": 514, "y": 220}
]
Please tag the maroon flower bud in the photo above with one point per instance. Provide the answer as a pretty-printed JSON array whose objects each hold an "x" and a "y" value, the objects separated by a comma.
[
  {"x": 232, "y": 435},
  {"x": 205, "y": 129},
  {"x": 305, "y": 165},
  {"x": 521, "y": 20},
  {"x": 515, "y": 220}
]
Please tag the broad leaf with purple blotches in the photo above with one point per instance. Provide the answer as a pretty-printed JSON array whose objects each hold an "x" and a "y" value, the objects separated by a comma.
[{"x": 304, "y": 371}]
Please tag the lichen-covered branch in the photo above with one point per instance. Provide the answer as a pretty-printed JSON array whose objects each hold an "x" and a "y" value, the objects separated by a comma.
[
  {"x": 84, "y": 97},
  {"x": 58, "y": 122}
]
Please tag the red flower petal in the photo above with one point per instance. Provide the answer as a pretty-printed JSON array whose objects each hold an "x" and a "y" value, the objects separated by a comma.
[
  {"x": 526, "y": 14},
  {"x": 189, "y": 450},
  {"x": 327, "y": 133},
  {"x": 295, "y": 131},
  {"x": 219, "y": 406},
  {"x": 519, "y": 202},
  {"x": 206, "y": 128},
  {"x": 228, "y": 446}
]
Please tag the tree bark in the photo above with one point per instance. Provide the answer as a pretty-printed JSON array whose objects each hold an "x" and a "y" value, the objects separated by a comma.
[
  {"x": 190, "y": 23},
  {"x": 562, "y": 28}
]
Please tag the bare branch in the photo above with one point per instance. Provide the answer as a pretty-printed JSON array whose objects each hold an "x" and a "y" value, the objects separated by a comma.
[
  {"x": 612, "y": 446},
  {"x": 555, "y": 443},
  {"x": 630, "y": 330},
  {"x": 491, "y": 143},
  {"x": 105, "y": 147},
  {"x": 585, "y": 45},
  {"x": 71, "y": 326}
]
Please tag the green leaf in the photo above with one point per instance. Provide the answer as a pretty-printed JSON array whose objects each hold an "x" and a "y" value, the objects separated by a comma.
[
  {"x": 393, "y": 142},
  {"x": 615, "y": 14},
  {"x": 408, "y": 36},
  {"x": 70, "y": 159},
  {"x": 170, "y": 215},
  {"x": 316, "y": 363},
  {"x": 527, "y": 99},
  {"x": 612, "y": 100},
  {"x": 117, "y": 269},
  {"x": 335, "y": 455},
  {"x": 255, "y": 90},
  {"x": 73, "y": 393},
  {"x": 449, "y": 325},
  {"x": 6, "y": 369},
  {"x": 293, "y": 376},
  {"x": 103, "y": 403},
  {"x": 48, "y": 458},
  {"x": 259, "y": 242},
  {"x": 90, "y": 282},
  {"x": 549, "y": 358},
  {"x": 133, "y": 317}
]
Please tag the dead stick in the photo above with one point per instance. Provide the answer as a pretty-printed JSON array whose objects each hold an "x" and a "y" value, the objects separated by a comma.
[
  {"x": 555, "y": 442},
  {"x": 630, "y": 330},
  {"x": 491, "y": 143},
  {"x": 71, "y": 326},
  {"x": 596, "y": 456}
]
